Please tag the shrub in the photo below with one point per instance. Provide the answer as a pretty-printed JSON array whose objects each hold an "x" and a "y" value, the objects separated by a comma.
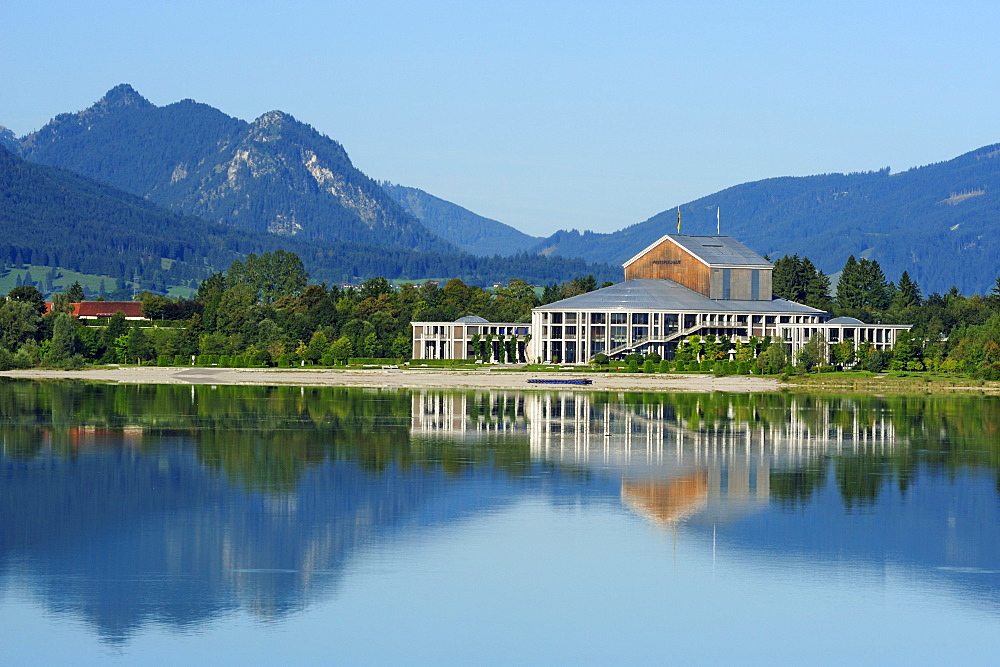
[
  {"x": 664, "y": 366},
  {"x": 722, "y": 367},
  {"x": 877, "y": 360},
  {"x": 632, "y": 366},
  {"x": 648, "y": 366},
  {"x": 991, "y": 372},
  {"x": 601, "y": 359}
]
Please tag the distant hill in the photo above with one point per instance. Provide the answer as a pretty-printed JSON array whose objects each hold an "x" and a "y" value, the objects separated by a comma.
[
  {"x": 467, "y": 230},
  {"x": 273, "y": 175},
  {"x": 53, "y": 217},
  {"x": 56, "y": 218},
  {"x": 938, "y": 222},
  {"x": 281, "y": 178}
]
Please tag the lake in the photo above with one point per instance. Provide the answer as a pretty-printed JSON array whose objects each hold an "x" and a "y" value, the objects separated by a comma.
[{"x": 234, "y": 525}]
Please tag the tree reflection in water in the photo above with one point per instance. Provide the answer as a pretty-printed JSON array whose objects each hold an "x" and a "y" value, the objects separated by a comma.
[{"x": 167, "y": 503}]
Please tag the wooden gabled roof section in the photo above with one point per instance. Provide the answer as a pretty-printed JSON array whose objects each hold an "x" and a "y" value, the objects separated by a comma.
[{"x": 712, "y": 251}]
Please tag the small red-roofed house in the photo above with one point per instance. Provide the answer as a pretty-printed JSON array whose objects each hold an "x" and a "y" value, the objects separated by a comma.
[{"x": 92, "y": 310}]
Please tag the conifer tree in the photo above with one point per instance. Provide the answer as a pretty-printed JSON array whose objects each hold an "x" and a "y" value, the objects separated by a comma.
[
  {"x": 61, "y": 348},
  {"x": 907, "y": 293},
  {"x": 75, "y": 293}
]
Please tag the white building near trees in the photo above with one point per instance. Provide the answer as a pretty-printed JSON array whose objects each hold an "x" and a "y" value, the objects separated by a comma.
[{"x": 679, "y": 286}]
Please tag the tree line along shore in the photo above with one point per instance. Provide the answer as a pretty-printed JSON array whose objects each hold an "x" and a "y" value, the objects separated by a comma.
[{"x": 264, "y": 312}]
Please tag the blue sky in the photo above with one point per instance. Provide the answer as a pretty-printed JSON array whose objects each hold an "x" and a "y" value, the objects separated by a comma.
[{"x": 544, "y": 115}]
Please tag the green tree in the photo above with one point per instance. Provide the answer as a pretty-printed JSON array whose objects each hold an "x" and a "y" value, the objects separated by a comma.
[
  {"x": 799, "y": 280},
  {"x": 906, "y": 353},
  {"x": 712, "y": 348},
  {"x": 843, "y": 353},
  {"x": 61, "y": 348},
  {"x": 75, "y": 293},
  {"x": 371, "y": 345},
  {"x": 19, "y": 320},
  {"x": 117, "y": 327},
  {"x": 137, "y": 345},
  {"x": 814, "y": 352},
  {"x": 270, "y": 276},
  {"x": 316, "y": 347},
  {"x": 28, "y": 294},
  {"x": 374, "y": 288},
  {"x": 342, "y": 349},
  {"x": 579, "y": 285},
  {"x": 907, "y": 293},
  {"x": 514, "y": 302},
  {"x": 402, "y": 347},
  {"x": 236, "y": 312},
  {"x": 773, "y": 360},
  {"x": 61, "y": 304}
]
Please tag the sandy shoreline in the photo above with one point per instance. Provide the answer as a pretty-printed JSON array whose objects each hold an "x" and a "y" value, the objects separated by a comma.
[{"x": 400, "y": 379}]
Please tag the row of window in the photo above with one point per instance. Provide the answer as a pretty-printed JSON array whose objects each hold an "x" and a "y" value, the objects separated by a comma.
[
  {"x": 449, "y": 329},
  {"x": 654, "y": 318}
]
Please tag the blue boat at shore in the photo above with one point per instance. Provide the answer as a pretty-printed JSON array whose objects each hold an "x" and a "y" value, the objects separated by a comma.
[{"x": 560, "y": 381}]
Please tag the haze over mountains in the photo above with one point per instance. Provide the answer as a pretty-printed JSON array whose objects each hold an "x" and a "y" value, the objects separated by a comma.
[{"x": 280, "y": 178}]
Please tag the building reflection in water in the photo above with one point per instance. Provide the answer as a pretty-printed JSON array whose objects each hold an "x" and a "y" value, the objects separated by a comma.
[
  {"x": 261, "y": 498},
  {"x": 672, "y": 468}
]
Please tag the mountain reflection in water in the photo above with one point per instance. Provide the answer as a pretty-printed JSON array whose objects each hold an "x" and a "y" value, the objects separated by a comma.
[{"x": 125, "y": 506}]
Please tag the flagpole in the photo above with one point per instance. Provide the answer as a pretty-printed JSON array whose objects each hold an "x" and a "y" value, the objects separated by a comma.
[
  {"x": 718, "y": 220},
  {"x": 678, "y": 219}
]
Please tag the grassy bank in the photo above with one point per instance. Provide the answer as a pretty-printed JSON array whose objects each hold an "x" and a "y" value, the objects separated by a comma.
[{"x": 892, "y": 382}]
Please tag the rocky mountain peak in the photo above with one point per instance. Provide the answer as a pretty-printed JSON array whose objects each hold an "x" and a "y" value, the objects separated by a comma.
[
  {"x": 270, "y": 118},
  {"x": 7, "y": 138},
  {"x": 122, "y": 96}
]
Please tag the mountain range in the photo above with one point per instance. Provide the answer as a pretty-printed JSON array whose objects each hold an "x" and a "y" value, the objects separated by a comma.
[
  {"x": 53, "y": 217},
  {"x": 469, "y": 231},
  {"x": 162, "y": 196},
  {"x": 272, "y": 175},
  {"x": 278, "y": 178},
  {"x": 938, "y": 222}
]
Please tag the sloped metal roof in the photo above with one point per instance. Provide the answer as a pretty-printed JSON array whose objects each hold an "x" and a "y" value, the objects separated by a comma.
[
  {"x": 474, "y": 319},
  {"x": 845, "y": 320},
  {"x": 662, "y": 294},
  {"x": 722, "y": 251}
]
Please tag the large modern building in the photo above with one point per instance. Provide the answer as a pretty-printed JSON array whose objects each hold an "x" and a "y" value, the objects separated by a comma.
[{"x": 679, "y": 286}]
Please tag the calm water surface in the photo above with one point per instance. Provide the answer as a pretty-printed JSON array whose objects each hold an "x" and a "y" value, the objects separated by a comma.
[{"x": 161, "y": 524}]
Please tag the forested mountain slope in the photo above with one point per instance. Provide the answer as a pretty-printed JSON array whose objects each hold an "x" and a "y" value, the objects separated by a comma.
[
  {"x": 273, "y": 175},
  {"x": 53, "y": 217},
  {"x": 937, "y": 222},
  {"x": 469, "y": 231}
]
